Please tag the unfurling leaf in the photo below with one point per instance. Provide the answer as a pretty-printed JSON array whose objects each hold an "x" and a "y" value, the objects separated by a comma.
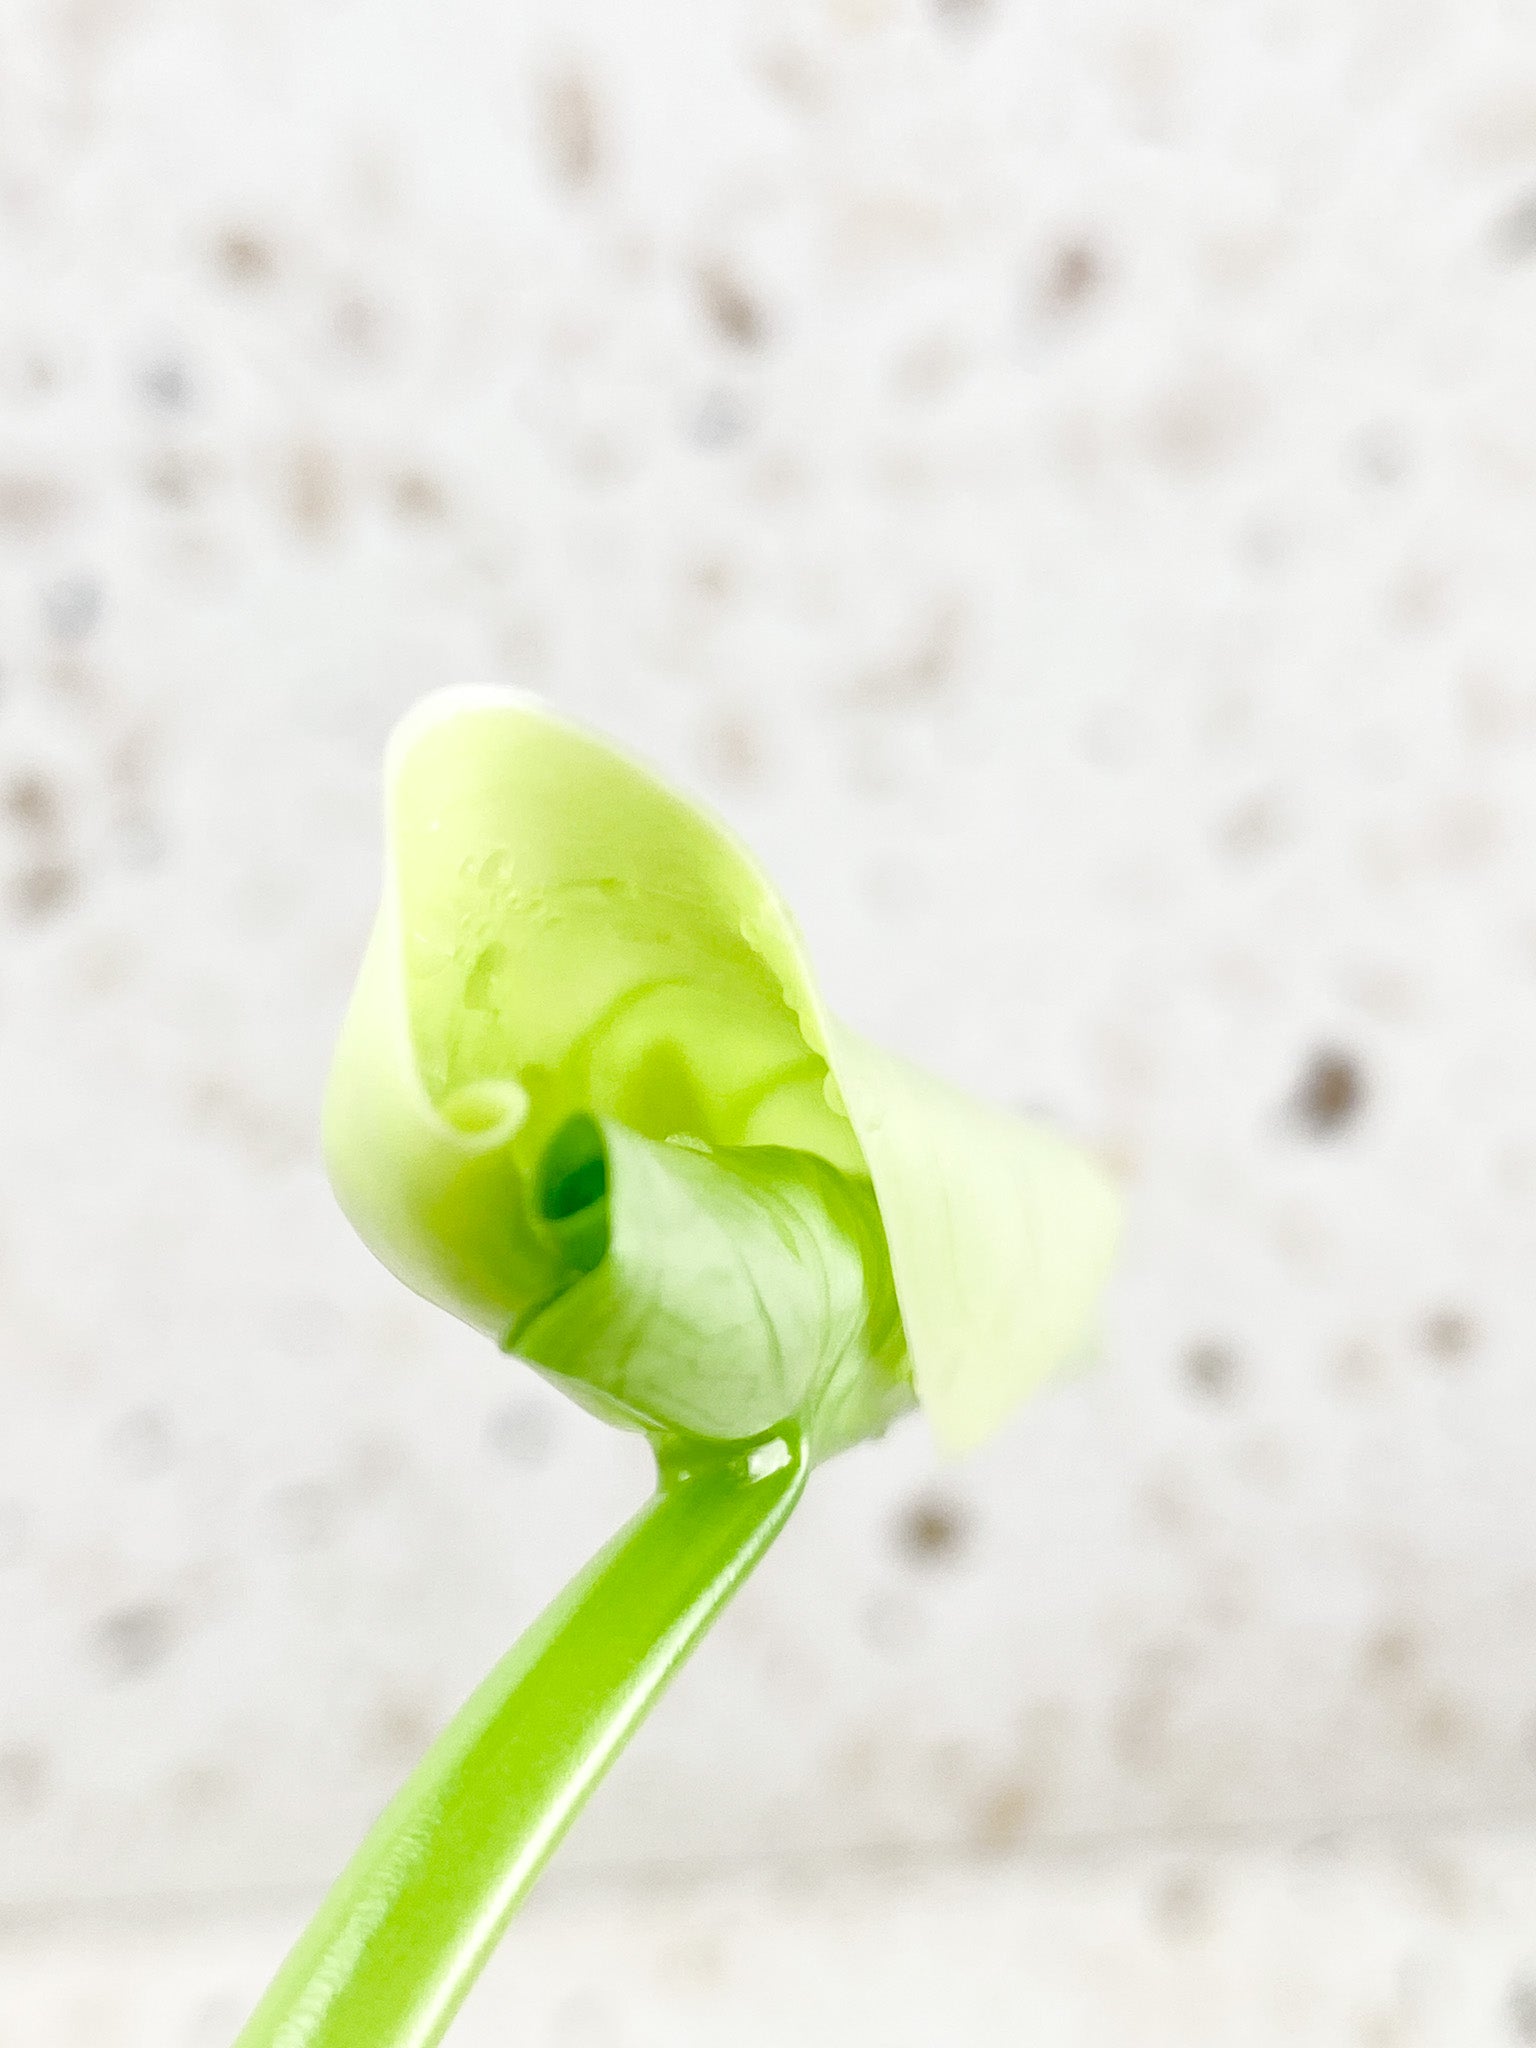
[{"x": 587, "y": 1098}]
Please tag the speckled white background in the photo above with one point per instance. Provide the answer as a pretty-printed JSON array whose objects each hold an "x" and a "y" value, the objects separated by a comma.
[{"x": 1062, "y": 480}]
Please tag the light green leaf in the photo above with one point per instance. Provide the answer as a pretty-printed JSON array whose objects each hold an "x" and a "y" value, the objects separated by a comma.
[
  {"x": 1001, "y": 1235},
  {"x": 716, "y": 1291},
  {"x": 570, "y": 955}
]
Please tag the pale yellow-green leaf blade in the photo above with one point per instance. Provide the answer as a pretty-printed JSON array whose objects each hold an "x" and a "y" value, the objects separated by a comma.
[{"x": 1001, "y": 1235}]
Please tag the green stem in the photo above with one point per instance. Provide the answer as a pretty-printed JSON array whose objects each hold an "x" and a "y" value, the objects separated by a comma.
[{"x": 413, "y": 1918}]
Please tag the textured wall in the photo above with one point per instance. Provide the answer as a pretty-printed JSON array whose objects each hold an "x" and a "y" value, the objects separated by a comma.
[{"x": 1059, "y": 478}]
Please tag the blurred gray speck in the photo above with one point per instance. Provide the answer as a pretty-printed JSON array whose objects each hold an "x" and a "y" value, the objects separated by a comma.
[
  {"x": 1514, "y": 234},
  {"x": 570, "y": 128},
  {"x": 72, "y": 607},
  {"x": 1251, "y": 829},
  {"x": 173, "y": 477},
  {"x": 1418, "y": 598},
  {"x": 733, "y": 749},
  {"x": 15, "y": 1532},
  {"x": 397, "y": 1732},
  {"x": 1449, "y": 1335},
  {"x": 581, "y": 2021},
  {"x": 43, "y": 890},
  {"x": 1212, "y": 1370},
  {"x": 722, "y": 418},
  {"x": 1389, "y": 1653},
  {"x": 376, "y": 1462},
  {"x": 1074, "y": 274},
  {"x": 1201, "y": 422},
  {"x": 712, "y": 578},
  {"x": 1006, "y": 1815},
  {"x": 141, "y": 1443},
  {"x": 1181, "y": 1904},
  {"x": 1442, "y": 1728},
  {"x": 360, "y": 325},
  {"x": 891, "y": 1624},
  {"x": 312, "y": 487},
  {"x": 1139, "y": 1727},
  {"x": 733, "y": 311},
  {"x": 303, "y": 1326},
  {"x": 1521, "y": 2007},
  {"x": 921, "y": 673},
  {"x": 165, "y": 383},
  {"x": 32, "y": 803},
  {"x": 244, "y": 256},
  {"x": 308, "y": 1513},
  {"x": 200, "y": 1790},
  {"x": 131, "y": 1641},
  {"x": 31, "y": 504},
  {"x": 40, "y": 372},
  {"x": 415, "y": 495},
  {"x": 1381, "y": 453},
  {"x": 23, "y": 1779},
  {"x": 523, "y": 1432}
]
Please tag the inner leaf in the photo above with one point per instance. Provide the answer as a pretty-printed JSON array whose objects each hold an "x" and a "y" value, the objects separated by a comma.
[{"x": 715, "y": 1292}]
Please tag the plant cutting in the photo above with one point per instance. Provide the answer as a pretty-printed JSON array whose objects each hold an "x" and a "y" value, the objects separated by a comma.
[{"x": 587, "y": 1098}]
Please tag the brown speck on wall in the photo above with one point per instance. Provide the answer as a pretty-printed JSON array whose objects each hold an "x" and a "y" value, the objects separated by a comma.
[
  {"x": 1449, "y": 1335},
  {"x": 360, "y": 325},
  {"x": 732, "y": 311},
  {"x": 173, "y": 477},
  {"x": 1181, "y": 1904},
  {"x": 1252, "y": 828},
  {"x": 1201, "y": 422},
  {"x": 24, "y": 1774},
  {"x": 922, "y": 672},
  {"x": 570, "y": 128},
  {"x": 312, "y": 488},
  {"x": 415, "y": 495},
  {"x": 396, "y": 1732},
  {"x": 201, "y": 1790},
  {"x": 1389, "y": 1653},
  {"x": 733, "y": 750},
  {"x": 31, "y": 802},
  {"x": 931, "y": 1532},
  {"x": 244, "y": 256},
  {"x": 1139, "y": 1726},
  {"x": 43, "y": 890},
  {"x": 1006, "y": 1815},
  {"x": 1073, "y": 275},
  {"x": 1330, "y": 1093},
  {"x": 31, "y": 503},
  {"x": 1441, "y": 1727}
]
